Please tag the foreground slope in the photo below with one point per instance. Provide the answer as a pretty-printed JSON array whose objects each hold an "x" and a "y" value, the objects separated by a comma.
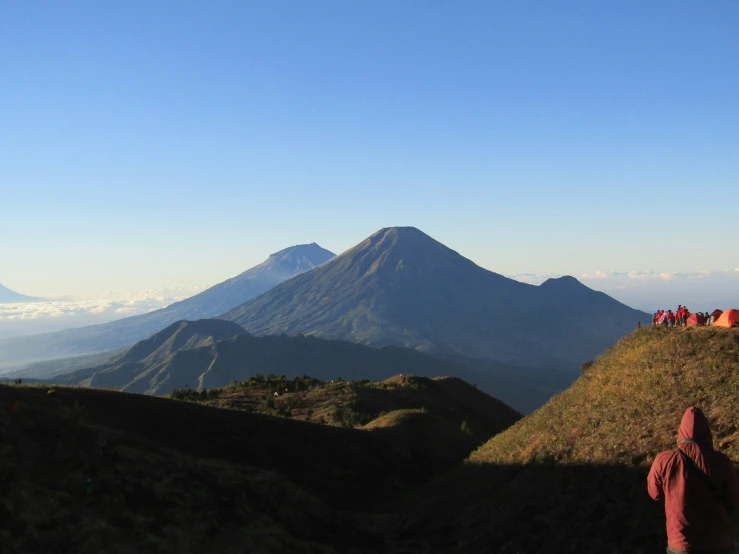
[
  {"x": 169, "y": 476},
  {"x": 124, "y": 332},
  {"x": 402, "y": 287},
  {"x": 572, "y": 476}
]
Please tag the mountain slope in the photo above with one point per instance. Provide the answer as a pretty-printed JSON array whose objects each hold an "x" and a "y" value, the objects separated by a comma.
[
  {"x": 213, "y": 353},
  {"x": 164, "y": 361},
  {"x": 572, "y": 476},
  {"x": 8, "y": 296},
  {"x": 123, "y": 332},
  {"x": 401, "y": 287}
]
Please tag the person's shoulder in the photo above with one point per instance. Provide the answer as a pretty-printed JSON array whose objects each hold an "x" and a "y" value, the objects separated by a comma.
[{"x": 663, "y": 457}]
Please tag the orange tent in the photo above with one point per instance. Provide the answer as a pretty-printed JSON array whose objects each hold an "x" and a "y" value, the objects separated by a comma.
[
  {"x": 729, "y": 318},
  {"x": 695, "y": 319}
]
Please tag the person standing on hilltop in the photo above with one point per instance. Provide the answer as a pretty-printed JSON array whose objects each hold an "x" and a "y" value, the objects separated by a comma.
[
  {"x": 661, "y": 317},
  {"x": 670, "y": 318},
  {"x": 700, "y": 489}
]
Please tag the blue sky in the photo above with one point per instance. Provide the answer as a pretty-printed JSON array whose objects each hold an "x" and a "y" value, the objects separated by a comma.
[{"x": 154, "y": 144}]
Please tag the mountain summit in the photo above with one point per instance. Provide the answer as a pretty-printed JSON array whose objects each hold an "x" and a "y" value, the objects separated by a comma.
[
  {"x": 277, "y": 268},
  {"x": 402, "y": 287}
]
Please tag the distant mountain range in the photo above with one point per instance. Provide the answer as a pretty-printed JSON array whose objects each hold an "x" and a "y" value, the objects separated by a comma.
[
  {"x": 401, "y": 287},
  {"x": 8, "y": 296},
  {"x": 212, "y": 353},
  {"x": 279, "y": 267}
]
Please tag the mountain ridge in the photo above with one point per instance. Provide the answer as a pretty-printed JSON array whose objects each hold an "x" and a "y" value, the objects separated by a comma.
[
  {"x": 400, "y": 286},
  {"x": 278, "y": 267}
]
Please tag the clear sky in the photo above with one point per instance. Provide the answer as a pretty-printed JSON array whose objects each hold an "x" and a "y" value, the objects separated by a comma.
[{"x": 153, "y": 144}]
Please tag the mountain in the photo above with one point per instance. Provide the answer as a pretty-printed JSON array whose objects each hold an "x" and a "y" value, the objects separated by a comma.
[
  {"x": 402, "y": 287},
  {"x": 172, "y": 357},
  {"x": 8, "y": 296},
  {"x": 572, "y": 476},
  {"x": 124, "y": 332},
  {"x": 213, "y": 353}
]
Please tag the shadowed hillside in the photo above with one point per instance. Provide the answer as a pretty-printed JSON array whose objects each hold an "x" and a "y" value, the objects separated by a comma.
[
  {"x": 169, "y": 476},
  {"x": 402, "y": 287},
  {"x": 88, "y": 470},
  {"x": 571, "y": 477},
  {"x": 124, "y": 332}
]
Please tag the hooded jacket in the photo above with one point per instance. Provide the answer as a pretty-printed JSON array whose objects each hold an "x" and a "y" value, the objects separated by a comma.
[{"x": 697, "y": 517}]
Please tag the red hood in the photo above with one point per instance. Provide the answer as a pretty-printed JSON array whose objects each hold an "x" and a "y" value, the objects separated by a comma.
[{"x": 695, "y": 426}]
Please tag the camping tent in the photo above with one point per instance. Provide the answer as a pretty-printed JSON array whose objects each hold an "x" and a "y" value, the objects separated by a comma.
[
  {"x": 729, "y": 318},
  {"x": 715, "y": 314},
  {"x": 696, "y": 319}
]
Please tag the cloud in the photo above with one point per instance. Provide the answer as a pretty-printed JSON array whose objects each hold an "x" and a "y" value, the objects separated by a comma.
[{"x": 38, "y": 317}]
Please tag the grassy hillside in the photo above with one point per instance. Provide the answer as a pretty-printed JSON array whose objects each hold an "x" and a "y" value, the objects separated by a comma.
[
  {"x": 571, "y": 476},
  {"x": 423, "y": 436},
  {"x": 435, "y": 422}
]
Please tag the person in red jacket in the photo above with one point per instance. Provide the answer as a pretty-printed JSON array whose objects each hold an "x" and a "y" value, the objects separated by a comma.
[
  {"x": 670, "y": 318},
  {"x": 700, "y": 489}
]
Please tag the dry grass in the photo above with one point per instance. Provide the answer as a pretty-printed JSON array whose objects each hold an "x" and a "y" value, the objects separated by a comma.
[
  {"x": 571, "y": 476},
  {"x": 626, "y": 408}
]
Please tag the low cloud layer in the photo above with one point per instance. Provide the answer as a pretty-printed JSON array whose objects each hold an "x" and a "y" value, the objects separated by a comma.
[
  {"x": 19, "y": 319},
  {"x": 651, "y": 290}
]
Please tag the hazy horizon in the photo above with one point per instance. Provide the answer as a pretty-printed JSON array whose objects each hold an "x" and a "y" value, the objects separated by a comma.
[{"x": 641, "y": 289}]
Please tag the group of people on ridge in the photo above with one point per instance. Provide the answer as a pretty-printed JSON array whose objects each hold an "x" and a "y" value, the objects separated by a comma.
[{"x": 679, "y": 318}]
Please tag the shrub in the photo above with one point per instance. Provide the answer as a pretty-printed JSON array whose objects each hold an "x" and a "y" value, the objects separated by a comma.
[{"x": 586, "y": 366}]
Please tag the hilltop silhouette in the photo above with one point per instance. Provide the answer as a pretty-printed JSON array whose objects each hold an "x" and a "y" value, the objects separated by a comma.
[{"x": 124, "y": 332}]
